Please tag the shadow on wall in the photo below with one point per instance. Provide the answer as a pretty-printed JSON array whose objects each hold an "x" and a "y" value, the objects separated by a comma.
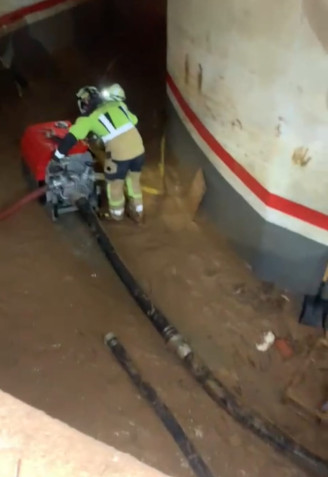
[
  {"x": 317, "y": 16},
  {"x": 122, "y": 41},
  {"x": 138, "y": 59},
  {"x": 27, "y": 53},
  {"x": 23, "y": 58},
  {"x": 125, "y": 41},
  {"x": 93, "y": 25},
  {"x": 30, "y": 56}
]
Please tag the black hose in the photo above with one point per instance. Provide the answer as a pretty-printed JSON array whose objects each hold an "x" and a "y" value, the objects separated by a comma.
[
  {"x": 163, "y": 412},
  {"x": 157, "y": 318},
  {"x": 199, "y": 370}
]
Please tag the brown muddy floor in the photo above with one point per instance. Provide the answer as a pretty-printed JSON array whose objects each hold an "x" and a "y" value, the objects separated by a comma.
[{"x": 59, "y": 297}]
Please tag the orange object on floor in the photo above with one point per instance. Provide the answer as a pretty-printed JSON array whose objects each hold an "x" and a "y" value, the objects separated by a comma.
[{"x": 284, "y": 348}]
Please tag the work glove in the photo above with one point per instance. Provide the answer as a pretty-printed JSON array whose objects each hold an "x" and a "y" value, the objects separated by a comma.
[{"x": 55, "y": 158}]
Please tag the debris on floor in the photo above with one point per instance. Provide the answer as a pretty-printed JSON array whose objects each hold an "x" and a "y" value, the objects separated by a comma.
[
  {"x": 196, "y": 193},
  {"x": 308, "y": 390},
  {"x": 284, "y": 348},
  {"x": 267, "y": 342}
]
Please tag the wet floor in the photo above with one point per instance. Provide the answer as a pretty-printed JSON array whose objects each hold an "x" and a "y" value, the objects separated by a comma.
[{"x": 59, "y": 298}]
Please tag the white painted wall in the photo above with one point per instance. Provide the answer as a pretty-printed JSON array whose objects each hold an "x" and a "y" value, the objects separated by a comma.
[{"x": 264, "y": 63}]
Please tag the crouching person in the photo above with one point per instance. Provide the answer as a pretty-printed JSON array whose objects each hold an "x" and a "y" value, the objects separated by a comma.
[{"x": 108, "y": 117}]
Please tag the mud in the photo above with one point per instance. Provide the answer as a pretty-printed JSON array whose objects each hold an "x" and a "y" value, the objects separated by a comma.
[{"x": 59, "y": 298}]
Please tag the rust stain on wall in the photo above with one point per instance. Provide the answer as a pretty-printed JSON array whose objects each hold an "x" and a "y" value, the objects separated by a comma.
[
  {"x": 208, "y": 42},
  {"x": 186, "y": 69},
  {"x": 237, "y": 123},
  {"x": 301, "y": 156},
  {"x": 316, "y": 13},
  {"x": 278, "y": 130},
  {"x": 200, "y": 77}
]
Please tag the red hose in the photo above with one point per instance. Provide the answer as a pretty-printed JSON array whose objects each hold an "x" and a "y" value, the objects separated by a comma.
[{"x": 11, "y": 210}]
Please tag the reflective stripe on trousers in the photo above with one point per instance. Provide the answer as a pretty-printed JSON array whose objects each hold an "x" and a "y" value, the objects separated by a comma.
[
  {"x": 134, "y": 191},
  {"x": 115, "y": 196}
]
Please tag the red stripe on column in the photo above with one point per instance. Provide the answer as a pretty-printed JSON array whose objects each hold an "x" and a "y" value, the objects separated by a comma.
[
  {"x": 19, "y": 14},
  {"x": 273, "y": 201}
]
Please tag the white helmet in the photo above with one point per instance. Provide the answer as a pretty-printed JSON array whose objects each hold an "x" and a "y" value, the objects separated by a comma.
[{"x": 114, "y": 93}]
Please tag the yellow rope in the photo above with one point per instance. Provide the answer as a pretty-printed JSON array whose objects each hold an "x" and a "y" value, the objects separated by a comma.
[
  {"x": 151, "y": 190},
  {"x": 161, "y": 166},
  {"x": 162, "y": 159}
]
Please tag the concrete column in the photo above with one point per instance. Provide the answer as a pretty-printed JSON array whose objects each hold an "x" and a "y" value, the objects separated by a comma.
[{"x": 248, "y": 88}]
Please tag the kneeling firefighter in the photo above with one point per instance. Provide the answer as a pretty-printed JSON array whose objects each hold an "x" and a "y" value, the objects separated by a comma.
[{"x": 108, "y": 117}]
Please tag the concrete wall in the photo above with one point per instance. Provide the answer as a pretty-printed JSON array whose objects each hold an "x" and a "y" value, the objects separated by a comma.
[{"x": 256, "y": 76}]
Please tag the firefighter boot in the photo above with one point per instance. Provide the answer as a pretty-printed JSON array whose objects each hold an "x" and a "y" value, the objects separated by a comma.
[{"x": 134, "y": 193}]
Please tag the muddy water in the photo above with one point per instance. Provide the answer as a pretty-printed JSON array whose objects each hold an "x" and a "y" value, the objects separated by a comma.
[{"x": 59, "y": 297}]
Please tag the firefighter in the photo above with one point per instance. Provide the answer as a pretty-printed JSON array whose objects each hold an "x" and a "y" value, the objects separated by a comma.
[{"x": 107, "y": 116}]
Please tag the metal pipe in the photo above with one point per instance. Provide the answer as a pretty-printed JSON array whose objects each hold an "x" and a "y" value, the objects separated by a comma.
[
  {"x": 197, "y": 368},
  {"x": 195, "y": 461}
]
